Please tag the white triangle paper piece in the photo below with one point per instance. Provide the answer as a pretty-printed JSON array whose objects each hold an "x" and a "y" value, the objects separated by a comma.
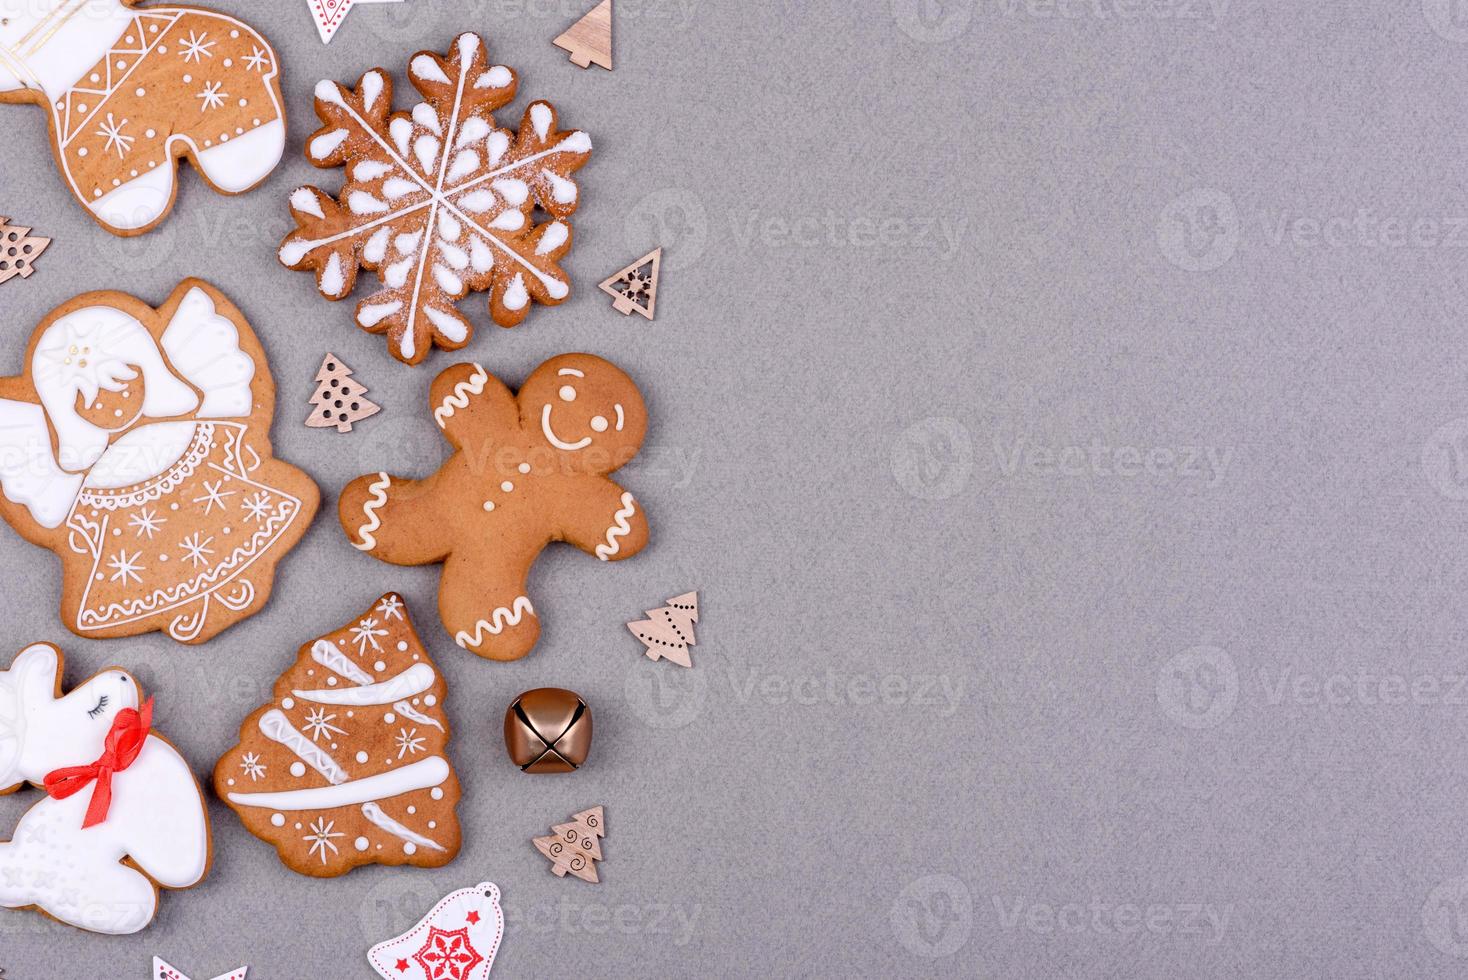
[
  {"x": 163, "y": 971},
  {"x": 457, "y": 940},
  {"x": 329, "y": 14}
]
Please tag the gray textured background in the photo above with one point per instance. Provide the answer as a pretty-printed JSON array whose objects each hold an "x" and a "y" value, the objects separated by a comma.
[{"x": 1062, "y": 409}]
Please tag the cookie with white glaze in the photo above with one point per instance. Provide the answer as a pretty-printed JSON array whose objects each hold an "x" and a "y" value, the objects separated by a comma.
[{"x": 348, "y": 764}]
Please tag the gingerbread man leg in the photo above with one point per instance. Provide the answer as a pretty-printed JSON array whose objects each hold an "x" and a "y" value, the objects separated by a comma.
[{"x": 485, "y": 608}]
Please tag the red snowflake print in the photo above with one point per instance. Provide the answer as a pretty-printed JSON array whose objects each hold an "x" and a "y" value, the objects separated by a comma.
[{"x": 448, "y": 955}]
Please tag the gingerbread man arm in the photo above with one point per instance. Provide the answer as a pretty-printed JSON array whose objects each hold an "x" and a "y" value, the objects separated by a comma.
[
  {"x": 485, "y": 607},
  {"x": 396, "y": 521},
  {"x": 473, "y": 407},
  {"x": 603, "y": 519}
]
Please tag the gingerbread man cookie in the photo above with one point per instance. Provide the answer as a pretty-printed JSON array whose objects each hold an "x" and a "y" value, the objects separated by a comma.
[
  {"x": 130, "y": 91},
  {"x": 529, "y": 469},
  {"x": 136, "y": 445}
]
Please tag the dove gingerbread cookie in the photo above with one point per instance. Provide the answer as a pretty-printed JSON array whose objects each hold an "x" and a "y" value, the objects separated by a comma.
[
  {"x": 131, "y": 89},
  {"x": 136, "y": 446},
  {"x": 530, "y": 468}
]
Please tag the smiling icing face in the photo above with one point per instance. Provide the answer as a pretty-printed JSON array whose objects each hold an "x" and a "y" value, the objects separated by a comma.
[{"x": 580, "y": 404}]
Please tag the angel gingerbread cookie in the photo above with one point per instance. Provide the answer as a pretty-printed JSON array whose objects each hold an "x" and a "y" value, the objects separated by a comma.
[
  {"x": 348, "y": 764},
  {"x": 130, "y": 90},
  {"x": 136, "y": 446},
  {"x": 529, "y": 469},
  {"x": 122, "y": 816}
]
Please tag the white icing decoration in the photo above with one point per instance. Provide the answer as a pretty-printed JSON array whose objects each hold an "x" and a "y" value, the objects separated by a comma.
[
  {"x": 373, "y": 313},
  {"x": 369, "y": 170},
  {"x": 408, "y": 711},
  {"x": 396, "y": 188},
  {"x": 563, "y": 191},
  {"x": 446, "y": 281},
  {"x": 204, "y": 346},
  {"x": 496, "y": 143},
  {"x": 376, "y": 248},
  {"x": 361, "y": 843},
  {"x": 304, "y": 201},
  {"x": 330, "y": 656},
  {"x": 552, "y": 238},
  {"x": 498, "y": 620},
  {"x": 363, "y": 203},
  {"x": 516, "y": 295},
  {"x": 277, "y": 820},
  {"x": 333, "y": 279},
  {"x": 424, "y": 116},
  {"x": 395, "y": 782},
  {"x": 275, "y": 726},
  {"x": 619, "y": 529},
  {"x": 28, "y": 472},
  {"x": 298, "y": 769},
  {"x": 413, "y": 840},
  {"x": 156, "y": 820},
  {"x": 450, "y": 324},
  {"x": 362, "y": 758},
  {"x": 508, "y": 221},
  {"x": 515, "y": 192},
  {"x": 426, "y": 68},
  {"x": 378, "y": 491},
  {"x": 553, "y": 439},
  {"x": 473, "y": 130},
  {"x": 477, "y": 202},
  {"x": 372, "y": 85},
  {"x": 459, "y": 398},
  {"x": 326, "y": 144},
  {"x": 540, "y": 118},
  {"x": 415, "y": 680},
  {"x": 497, "y": 77}
]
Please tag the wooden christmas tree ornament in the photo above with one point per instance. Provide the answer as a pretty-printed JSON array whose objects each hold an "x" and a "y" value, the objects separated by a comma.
[
  {"x": 18, "y": 249},
  {"x": 589, "y": 40},
  {"x": 635, "y": 288},
  {"x": 574, "y": 847},
  {"x": 339, "y": 400},
  {"x": 668, "y": 632}
]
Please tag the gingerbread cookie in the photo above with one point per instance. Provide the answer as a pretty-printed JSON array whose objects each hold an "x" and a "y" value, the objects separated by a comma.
[
  {"x": 437, "y": 201},
  {"x": 347, "y": 766},
  {"x": 529, "y": 469},
  {"x": 130, "y": 91},
  {"x": 122, "y": 816},
  {"x": 136, "y": 446}
]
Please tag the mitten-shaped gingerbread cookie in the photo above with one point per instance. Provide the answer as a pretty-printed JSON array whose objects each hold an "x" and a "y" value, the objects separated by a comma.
[
  {"x": 130, "y": 91},
  {"x": 529, "y": 469}
]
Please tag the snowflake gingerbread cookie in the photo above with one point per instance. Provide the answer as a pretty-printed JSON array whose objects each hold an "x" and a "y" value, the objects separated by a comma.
[
  {"x": 122, "y": 816},
  {"x": 160, "y": 494},
  {"x": 348, "y": 765},
  {"x": 456, "y": 940},
  {"x": 529, "y": 469},
  {"x": 130, "y": 90},
  {"x": 437, "y": 201}
]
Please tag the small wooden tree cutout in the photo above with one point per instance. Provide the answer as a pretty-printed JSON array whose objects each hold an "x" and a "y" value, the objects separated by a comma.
[
  {"x": 338, "y": 398},
  {"x": 635, "y": 288},
  {"x": 18, "y": 249},
  {"x": 668, "y": 632},
  {"x": 589, "y": 40},
  {"x": 575, "y": 846}
]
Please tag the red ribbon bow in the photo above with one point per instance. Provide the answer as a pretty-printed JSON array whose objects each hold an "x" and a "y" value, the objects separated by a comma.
[{"x": 124, "y": 743}]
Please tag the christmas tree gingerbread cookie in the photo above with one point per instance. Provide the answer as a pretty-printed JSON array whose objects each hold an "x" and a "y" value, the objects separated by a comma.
[
  {"x": 122, "y": 816},
  {"x": 130, "y": 90},
  {"x": 347, "y": 765},
  {"x": 530, "y": 469},
  {"x": 136, "y": 446}
]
